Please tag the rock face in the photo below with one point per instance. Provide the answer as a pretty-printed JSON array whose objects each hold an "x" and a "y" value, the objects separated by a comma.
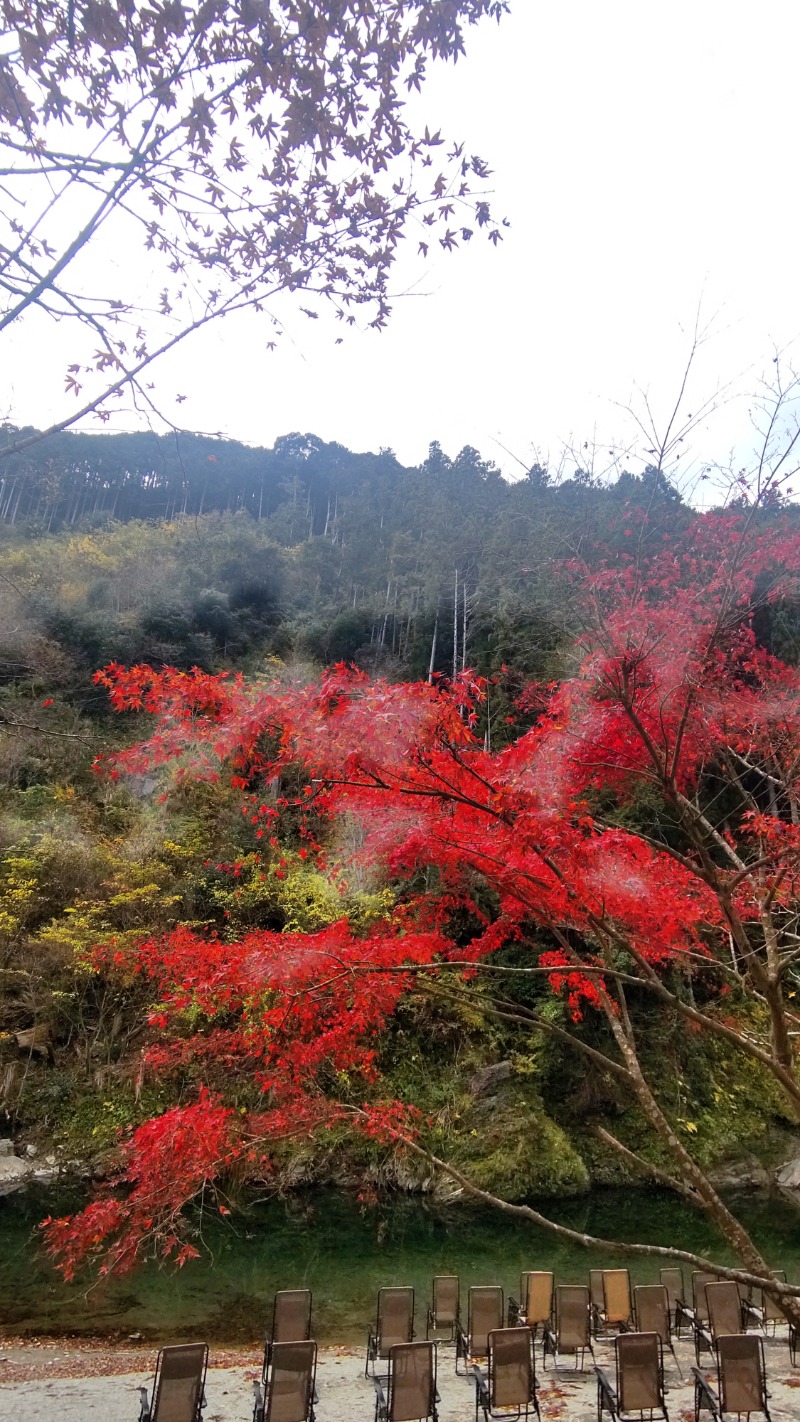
[
  {"x": 788, "y": 1177},
  {"x": 746, "y": 1174},
  {"x": 13, "y": 1171},
  {"x": 488, "y": 1078}
]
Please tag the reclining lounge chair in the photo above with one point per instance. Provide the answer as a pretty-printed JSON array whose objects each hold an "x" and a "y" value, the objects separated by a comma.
[
  {"x": 509, "y": 1388},
  {"x": 672, "y": 1279},
  {"x": 444, "y": 1310},
  {"x": 394, "y": 1324},
  {"x": 651, "y": 1307},
  {"x": 410, "y": 1390},
  {"x": 287, "y": 1392},
  {"x": 178, "y": 1386},
  {"x": 741, "y": 1379},
  {"x": 639, "y": 1379},
  {"x": 573, "y": 1327},
  {"x": 291, "y": 1321},
  {"x": 535, "y": 1305},
  {"x": 484, "y": 1313}
]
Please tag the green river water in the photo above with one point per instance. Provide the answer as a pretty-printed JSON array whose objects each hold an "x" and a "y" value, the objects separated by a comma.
[{"x": 325, "y": 1242}]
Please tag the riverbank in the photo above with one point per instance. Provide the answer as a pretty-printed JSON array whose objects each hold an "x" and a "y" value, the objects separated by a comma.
[{"x": 40, "y": 1380}]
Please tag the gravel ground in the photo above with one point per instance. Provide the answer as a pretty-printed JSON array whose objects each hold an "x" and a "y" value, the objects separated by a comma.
[{"x": 40, "y": 1382}]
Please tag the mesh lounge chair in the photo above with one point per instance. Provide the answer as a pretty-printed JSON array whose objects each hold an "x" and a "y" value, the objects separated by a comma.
[
  {"x": 291, "y": 1321},
  {"x": 394, "y": 1324},
  {"x": 724, "y": 1308},
  {"x": 741, "y": 1379},
  {"x": 697, "y": 1315},
  {"x": 640, "y": 1379},
  {"x": 598, "y": 1297},
  {"x": 178, "y": 1387},
  {"x": 724, "y": 1315},
  {"x": 287, "y": 1392},
  {"x": 444, "y": 1308},
  {"x": 672, "y": 1279},
  {"x": 291, "y": 1316},
  {"x": 573, "y": 1330},
  {"x": 651, "y": 1307},
  {"x": 484, "y": 1313},
  {"x": 765, "y": 1310},
  {"x": 409, "y": 1391},
  {"x": 509, "y": 1388},
  {"x": 535, "y": 1307},
  {"x": 617, "y": 1311}
]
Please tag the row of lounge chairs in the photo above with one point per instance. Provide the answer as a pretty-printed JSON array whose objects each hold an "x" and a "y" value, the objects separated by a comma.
[{"x": 496, "y": 1347}]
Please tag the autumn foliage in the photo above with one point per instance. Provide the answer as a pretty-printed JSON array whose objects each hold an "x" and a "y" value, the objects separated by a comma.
[{"x": 670, "y": 696}]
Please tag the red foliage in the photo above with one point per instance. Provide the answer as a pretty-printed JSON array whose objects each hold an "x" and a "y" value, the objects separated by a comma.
[{"x": 671, "y": 685}]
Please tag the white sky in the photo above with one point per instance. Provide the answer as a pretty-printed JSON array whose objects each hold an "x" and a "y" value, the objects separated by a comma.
[{"x": 646, "y": 156}]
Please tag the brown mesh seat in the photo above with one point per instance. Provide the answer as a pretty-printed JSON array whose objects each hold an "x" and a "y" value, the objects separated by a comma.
[
  {"x": 178, "y": 1385},
  {"x": 394, "y": 1324},
  {"x": 535, "y": 1307},
  {"x": 286, "y": 1393},
  {"x": 484, "y": 1314},
  {"x": 445, "y": 1306},
  {"x": 291, "y": 1321},
  {"x": 741, "y": 1379},
  {"x": 639, "y": 1378},
  {"x": 509, "y": 1388},
  {"x": 573, "y": 1331},
  {"x": 409, "y": 1392}
]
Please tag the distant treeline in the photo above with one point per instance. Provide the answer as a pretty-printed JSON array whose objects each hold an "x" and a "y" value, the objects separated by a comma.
[
  {"x": 186, "y": 550},
  {"x": 68, "y": 479}
]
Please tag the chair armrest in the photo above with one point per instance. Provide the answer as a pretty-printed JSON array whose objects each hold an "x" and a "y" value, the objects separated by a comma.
[
  {"x": 144, "y": 1409},
  {"x": 606, "y": 1396},
  {"x": 481, "y": 1384},
  {"x": 705, "y": 1395},
  {"x": 750, "y": 1314}
]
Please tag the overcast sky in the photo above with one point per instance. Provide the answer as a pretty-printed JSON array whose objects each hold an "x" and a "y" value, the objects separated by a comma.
[{"x": 646, "y": 157}]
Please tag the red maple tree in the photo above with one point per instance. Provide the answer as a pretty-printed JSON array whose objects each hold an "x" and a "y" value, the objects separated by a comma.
[{"x": 670, "y": 691}]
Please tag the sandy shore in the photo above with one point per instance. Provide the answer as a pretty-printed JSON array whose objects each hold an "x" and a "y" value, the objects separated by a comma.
[{"x": 79, "y": 1384}]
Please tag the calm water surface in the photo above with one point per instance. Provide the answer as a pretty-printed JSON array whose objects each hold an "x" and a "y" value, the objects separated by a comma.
[{"x": 325, "y": 1242}]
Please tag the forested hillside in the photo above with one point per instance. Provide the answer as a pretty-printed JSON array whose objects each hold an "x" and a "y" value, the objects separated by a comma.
[{"x": 190, "y": 552}]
